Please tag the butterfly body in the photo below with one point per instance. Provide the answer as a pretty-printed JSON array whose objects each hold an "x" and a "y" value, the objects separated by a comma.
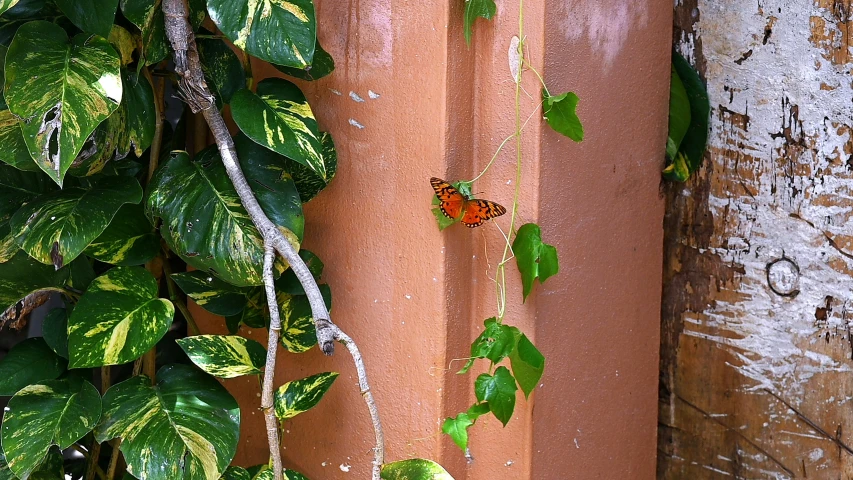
[{"x": 454, "y": 204}]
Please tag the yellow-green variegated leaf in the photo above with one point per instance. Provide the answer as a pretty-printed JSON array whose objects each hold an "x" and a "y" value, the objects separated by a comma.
[
  {"x": 298, "y": 333},
  {"x": 282, "y": 32},
  {"x": 211, "y": 293},
  {"x": 56, "y": 227},
  {"x": 222, "y": 68},
  {"x": 414, "y": 469},
  {"x": 22, "y": 275},
  {"x": 225, "y": 356},
  {"x": 13, "y": 148},
  {"x": 322, "y": 65},
  {"x": 185, "y": 426},
  {"x": 298, "y": 396},
  {"x": 119, "y": 318},
  {"x": 148, "y": 17},
  {"x": 130, "y": 239},
  {"x": 307, "y": 181},
  {"x": 63, "y": 88},
  {"x": 140, "y": 122},
  {"x": 279, "y": 118},
  {"x": 7, "y": 4},
  {"x": 267, "y": 473},
  {"x": 231, "y": 473},
  {"x": 124, "y": 43},
  {"x": 204, "y": 221},
  {"x": 103, "y": 145},
  {"x": 53, "y": 412}
]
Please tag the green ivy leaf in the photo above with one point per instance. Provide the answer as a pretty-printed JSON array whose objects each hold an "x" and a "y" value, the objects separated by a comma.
[
  {"x": 298, "y": 396},
  {"x": 119, "y": 318},
  {"x": 204, "y": 221},
  {"x": 414, "y": 469},
  {"x": 499, "y": 391},
  {"x": 561, "y": 115},
  {"x": 211, "y": 293},
  {"x": 148, "y": 17},
  {"x": 535, "y": 258},
  {"x": 91, "y": 16},
  {"x": 22, "y": 276},
  {"x": 474, "y": 9},
  {"x": 679, "y": 114},
  {"x": 64, "y": 88},
  {"x": 54, "y": 412},
  {"x": 130, "y": 239},
  {"x": 29, "y": 362},
  {"x": 495, "y": 343},
  {"x": 527, "y": 363},
  {"x": 457, "y": 428},
  {"x": 282, "y": 32},
  {"x": 225, "y": 356},
  {"x": 322, "y": 65},
  {"x": 222, "y": 69},
  {"x": 696, "y": 138},
  {"x": 279, "y": 118},
  {"x": 186, "y": 415},
  {"x": 56, "y": 228},
  {"x": 55, "y": 331}
]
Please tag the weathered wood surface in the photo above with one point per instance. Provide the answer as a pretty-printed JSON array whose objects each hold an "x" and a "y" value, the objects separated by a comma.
[{"x": 757, "y": 351}]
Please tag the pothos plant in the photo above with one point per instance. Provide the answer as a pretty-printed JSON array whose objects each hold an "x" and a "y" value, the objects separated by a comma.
[
  {"x": 103, "y": 207},
  {"x": 496, "y": 388}
]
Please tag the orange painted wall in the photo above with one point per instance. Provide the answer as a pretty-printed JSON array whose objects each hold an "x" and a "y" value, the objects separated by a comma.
[{"x": 414, "y": 298}]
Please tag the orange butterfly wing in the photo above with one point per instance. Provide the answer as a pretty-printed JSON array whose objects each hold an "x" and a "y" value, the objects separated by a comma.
[
  {"x": 478, "y": 211},
  {"x": 451, "y": 200}
]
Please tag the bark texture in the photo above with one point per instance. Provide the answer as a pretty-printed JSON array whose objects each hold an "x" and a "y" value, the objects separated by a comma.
[{"x": 756, "y": 345}]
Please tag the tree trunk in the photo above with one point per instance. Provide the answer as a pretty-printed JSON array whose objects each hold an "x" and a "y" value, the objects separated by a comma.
[{"x": 756, "y": 342}]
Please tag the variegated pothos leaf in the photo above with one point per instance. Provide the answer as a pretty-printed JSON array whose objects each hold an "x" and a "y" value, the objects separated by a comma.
[
  {"x": 185, "y": 426},
  {"x": 119, "y": 318},
  {"x": 298, "y": 396},
  {"x": 62, "y": 88},
  {"x": 130, "y": 239},
  {"x": 22, "y": 275},
  {"x": 53, "y": 412},
  {"x": 7, "y": 4},
  {"x": 13, "y": 148},
  {"x": 282, "y": 32},
  {"x": 148, "y": 17},
  {"x": 414, "y": 468},
  {"x": 225, "y": 356},
  {"x": 211, "y": 293}
]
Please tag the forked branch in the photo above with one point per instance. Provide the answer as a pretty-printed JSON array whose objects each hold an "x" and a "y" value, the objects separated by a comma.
[{"x": 194, "y": 91}]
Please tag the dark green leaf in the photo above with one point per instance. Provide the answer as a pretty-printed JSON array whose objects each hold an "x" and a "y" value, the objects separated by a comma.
[
  {"x": 13, "y": 148},
  {"x": 254, "y": 315},
  {"x": 57, "y": 227},
  {"x": 225, "y": 356},
  {"x": 222, "y": 69},
  {"x": 55, "y": 331},
  {"x": 474, "y": 9},
  {"x": 130, "y": 239},
  {"x": 696, "y": 138},
  {"x": 92, "y": 16},
  {"x": 234, "y": 473},
  {"x": 22, "y": 276},
  {"x": 308, "y": 182},
  {"x": 148, "y": 17},
  {"x": 527, "y": 363},
  {"x": 81, "y": 274},
  {"x": 414, "y": 469},
  {"x": 6, "y": 5},
  {"x": 186, "y": 426},
  {"x": 499, "y": 391},
  {"x": 289, "y": 283},
  {"x": 204, "y": 221},
  {"x": 18, "y": 188},
  {"x": 561, "y": 115},
  {"x": 26, "y": 363},
  {"x": 279, "y": 118},
  {"x": 322, "y": 65},
  {"x": 679, "y": 114},
  {"x": 3, "y": 50},
  {"x": 297, "y": 396},
  {"x": 212, "y": 294},
  {"x": 119, "y": 318},
  {"x": 54, "y": 412},
  {"x": 65, "y": 88},
  {"x": 140, "y": 113},
  {"x": 278, "y": 31},
  {"x": 535, "y": 258},
  {"x": 495, "y": 343}
]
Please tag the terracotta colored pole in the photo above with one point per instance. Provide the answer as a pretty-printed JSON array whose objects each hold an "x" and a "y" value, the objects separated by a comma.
[{"x": 409, "y": 100}]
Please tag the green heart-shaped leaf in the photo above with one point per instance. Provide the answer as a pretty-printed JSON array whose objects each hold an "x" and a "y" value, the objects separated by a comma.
[
  {"x": 499, "y": 391},
  {"x": 148, "y": 17},
  {"x": 298, "y": 396},
  {"x": 561, "y": 115},
  {"x": 28, "y": 362},
  {"x": 55, "y": 331},
  {"x": 119, "y": 318},
  {"x": 225, "y": 356},
  {"x": 54, "y": 412},
  {"x": 279, "y": 118},
  {"x": 415, "y": 468},
  {"x": 185, "y": 426},
  {"x": 476, "y": 9},
  {"x": 535, "y": 258},
  {"x": 57, "y": 227},
  {"x": 298, "y": 333},
  {"x": 222, "y": 69},
  {"x": 141, "y": 118},
  {"x": 63, "y": 88},
  {"x": 307, "y": 181},
  {"x": 322, "y": 65},
  {"x": 527, "y": 363},
  {"x": 211, "y": 293},
  {"x": 22, "y": 276},
  {"x": 282, "y": 32},
  {"x": 495, "y": 343},
  {"x": 130, "y": 239},
  {"x": 93, "y": 16}
]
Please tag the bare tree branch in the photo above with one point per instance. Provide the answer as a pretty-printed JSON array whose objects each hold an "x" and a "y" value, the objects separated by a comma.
[{"x": 193, "y": 89}]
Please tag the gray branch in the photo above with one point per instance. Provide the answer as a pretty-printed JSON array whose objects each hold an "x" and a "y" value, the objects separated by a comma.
[{"x": 193, "y": 89}]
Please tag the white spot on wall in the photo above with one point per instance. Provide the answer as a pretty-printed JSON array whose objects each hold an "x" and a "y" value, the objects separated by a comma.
[
  {"x": 354, "y": 123},
  {"x": 355, "y": 97}
]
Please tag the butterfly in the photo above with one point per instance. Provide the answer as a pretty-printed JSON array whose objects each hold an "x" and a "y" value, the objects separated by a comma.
[{"x": 453, "y": 203}]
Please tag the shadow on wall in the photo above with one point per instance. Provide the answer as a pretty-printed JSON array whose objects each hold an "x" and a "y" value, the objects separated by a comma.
[{"x": 604, "y": 24}]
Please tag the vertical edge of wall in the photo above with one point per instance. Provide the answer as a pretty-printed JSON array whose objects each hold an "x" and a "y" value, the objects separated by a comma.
[{"x": 598, "y": 321}]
